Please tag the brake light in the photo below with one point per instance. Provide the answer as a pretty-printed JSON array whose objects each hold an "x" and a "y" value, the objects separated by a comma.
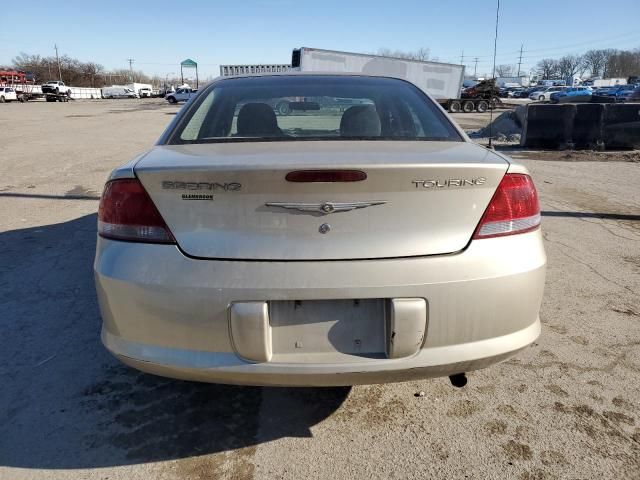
[
  {"x": 513, "y": 209},
  {"x": 328, "y": 176},
  {"x": 127, "y": 213}
]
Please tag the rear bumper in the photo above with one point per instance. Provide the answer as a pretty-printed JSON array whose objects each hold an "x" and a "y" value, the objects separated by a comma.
[
  {"x": 228, "y": 368},
  {"x": 168, "y": 314}
]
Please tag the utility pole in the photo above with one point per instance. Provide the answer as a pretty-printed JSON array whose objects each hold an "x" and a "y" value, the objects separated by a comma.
[
  {"x": 58, "y": 60},
  {"x": 475, "y": 67},
  {"x": 130, "y": 60},
  {"x": 520, "y": 60},
  {"x": 462, "y": 58}
]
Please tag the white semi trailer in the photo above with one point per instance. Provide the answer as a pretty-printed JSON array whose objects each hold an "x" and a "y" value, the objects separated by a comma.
[{"x": 443, "y": 81}]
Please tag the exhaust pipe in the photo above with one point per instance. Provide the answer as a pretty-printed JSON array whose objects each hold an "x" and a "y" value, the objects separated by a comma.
[{"x": 458, "y": 380}]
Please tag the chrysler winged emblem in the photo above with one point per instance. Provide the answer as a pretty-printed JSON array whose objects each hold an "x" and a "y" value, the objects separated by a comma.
[{"x": 325, "y": 208}]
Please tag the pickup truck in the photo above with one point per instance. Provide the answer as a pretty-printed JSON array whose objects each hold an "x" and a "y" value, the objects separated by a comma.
[
  {"x": 180, "y": 95},
  {"x": 7, "y": 94},
  {"x": 57, "y": 87}
]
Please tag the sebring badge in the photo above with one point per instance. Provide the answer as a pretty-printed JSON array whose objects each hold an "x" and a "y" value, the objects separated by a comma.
[
  {"x": 211, "y": 186},
  {"x": 325, "y": 208}
]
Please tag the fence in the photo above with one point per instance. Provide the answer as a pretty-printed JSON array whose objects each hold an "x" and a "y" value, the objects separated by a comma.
[{"x": 85, "y": 93}]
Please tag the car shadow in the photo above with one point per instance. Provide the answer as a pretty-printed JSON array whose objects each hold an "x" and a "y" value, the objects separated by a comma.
[{"x": 67, "y": 404}]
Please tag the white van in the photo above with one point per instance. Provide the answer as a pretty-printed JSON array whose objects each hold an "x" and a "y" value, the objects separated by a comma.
[{"x": 116, "y": 91}]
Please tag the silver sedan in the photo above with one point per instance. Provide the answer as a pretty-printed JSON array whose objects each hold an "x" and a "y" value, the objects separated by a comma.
[{"x": 357, "y": 236}]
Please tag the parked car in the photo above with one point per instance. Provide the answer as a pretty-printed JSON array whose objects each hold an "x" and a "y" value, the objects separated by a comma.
[
  {"x": 8, "y": 94},
  {"x": 572, "y": 94},
  {"x": 525, "y": 92},
  {"x": 622, "y": 92},
  {"x": 250, "y": 248},
  {"x": 602, "y": 91},
  {"x": 145, "y": 92},
  {"x": 545, "y": 93},
  {"x": 508, "y": 92},
  {"x": 615, "y": 91},
  {"x": 628, "y": 95},
  {"x": 180, "y": 95},
  {"x": 635, "y": 95}
]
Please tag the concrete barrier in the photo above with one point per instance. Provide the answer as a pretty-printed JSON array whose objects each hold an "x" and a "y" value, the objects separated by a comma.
[
  {"x": 587, "y": 125},
  {"x": 582, "y": 125},
  {"x": 548, "y": 126},
  {"x": 621, "y": 125}
]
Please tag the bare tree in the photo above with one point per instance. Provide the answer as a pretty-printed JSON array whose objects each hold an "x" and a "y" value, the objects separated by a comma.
[
  {"x": 623, "y": 63},
  {"x": 610, "y": 62},
  {"x": 569, "y": 65},
  {"x": 595, "y": 61},
  {"x": 505, "y": 70},
  {"x": 74, "y": 72},
  {"x": 421, "y": 54},
  {"x": 547, "y": 68}
]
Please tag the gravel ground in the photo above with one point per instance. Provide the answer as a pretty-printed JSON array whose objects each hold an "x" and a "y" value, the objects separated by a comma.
[{"x": 567, "y": 407}]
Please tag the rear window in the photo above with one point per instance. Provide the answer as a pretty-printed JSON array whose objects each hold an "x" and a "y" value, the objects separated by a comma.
[{"x": 314, "y": 107}]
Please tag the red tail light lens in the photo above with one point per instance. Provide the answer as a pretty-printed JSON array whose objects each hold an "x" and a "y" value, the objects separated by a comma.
[
  {"x": 127, "y": 213},
  {"x": 513, "y": 209}
]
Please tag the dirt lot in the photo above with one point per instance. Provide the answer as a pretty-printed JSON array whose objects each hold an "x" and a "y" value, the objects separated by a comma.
[{"x": 568, "y": 407}]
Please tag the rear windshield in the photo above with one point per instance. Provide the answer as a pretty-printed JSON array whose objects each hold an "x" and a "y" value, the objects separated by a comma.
[{"x": 289, "y": 108}]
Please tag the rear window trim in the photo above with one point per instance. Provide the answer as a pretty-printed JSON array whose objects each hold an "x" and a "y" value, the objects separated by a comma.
[{"x": 171, "y": 137}]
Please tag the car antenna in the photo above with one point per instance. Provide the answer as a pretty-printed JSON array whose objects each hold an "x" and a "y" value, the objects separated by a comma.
[{"x": 495, "y": 46}]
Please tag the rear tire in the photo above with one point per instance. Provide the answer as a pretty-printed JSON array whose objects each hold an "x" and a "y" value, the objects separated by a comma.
[
  {"x": 283, "y": 108},
  {"x": 482, "y": 106},
  {"x": 2, "y": 100},
  {"x": 455, "y": 106},
  {"x": 468, "y": 107}
]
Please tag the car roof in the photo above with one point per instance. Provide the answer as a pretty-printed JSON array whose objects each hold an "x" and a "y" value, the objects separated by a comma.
[{"x": 290, "y": 74}]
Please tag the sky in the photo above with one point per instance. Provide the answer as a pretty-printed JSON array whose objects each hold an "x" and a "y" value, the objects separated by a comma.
[{"x": 158, "y": 35}]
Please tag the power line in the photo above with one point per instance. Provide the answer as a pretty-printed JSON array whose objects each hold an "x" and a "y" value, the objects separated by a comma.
[
  {"x": 510, "y": 57},
  {"x": 616, "y": 38}
]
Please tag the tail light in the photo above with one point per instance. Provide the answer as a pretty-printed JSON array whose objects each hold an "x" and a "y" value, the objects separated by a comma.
[
  {"x": 513, "y": 209},
  {"x": 127, "y": 213}
]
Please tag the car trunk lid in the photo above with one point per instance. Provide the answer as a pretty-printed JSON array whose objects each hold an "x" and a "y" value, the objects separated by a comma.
[{"x": 233, "y": 200}]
